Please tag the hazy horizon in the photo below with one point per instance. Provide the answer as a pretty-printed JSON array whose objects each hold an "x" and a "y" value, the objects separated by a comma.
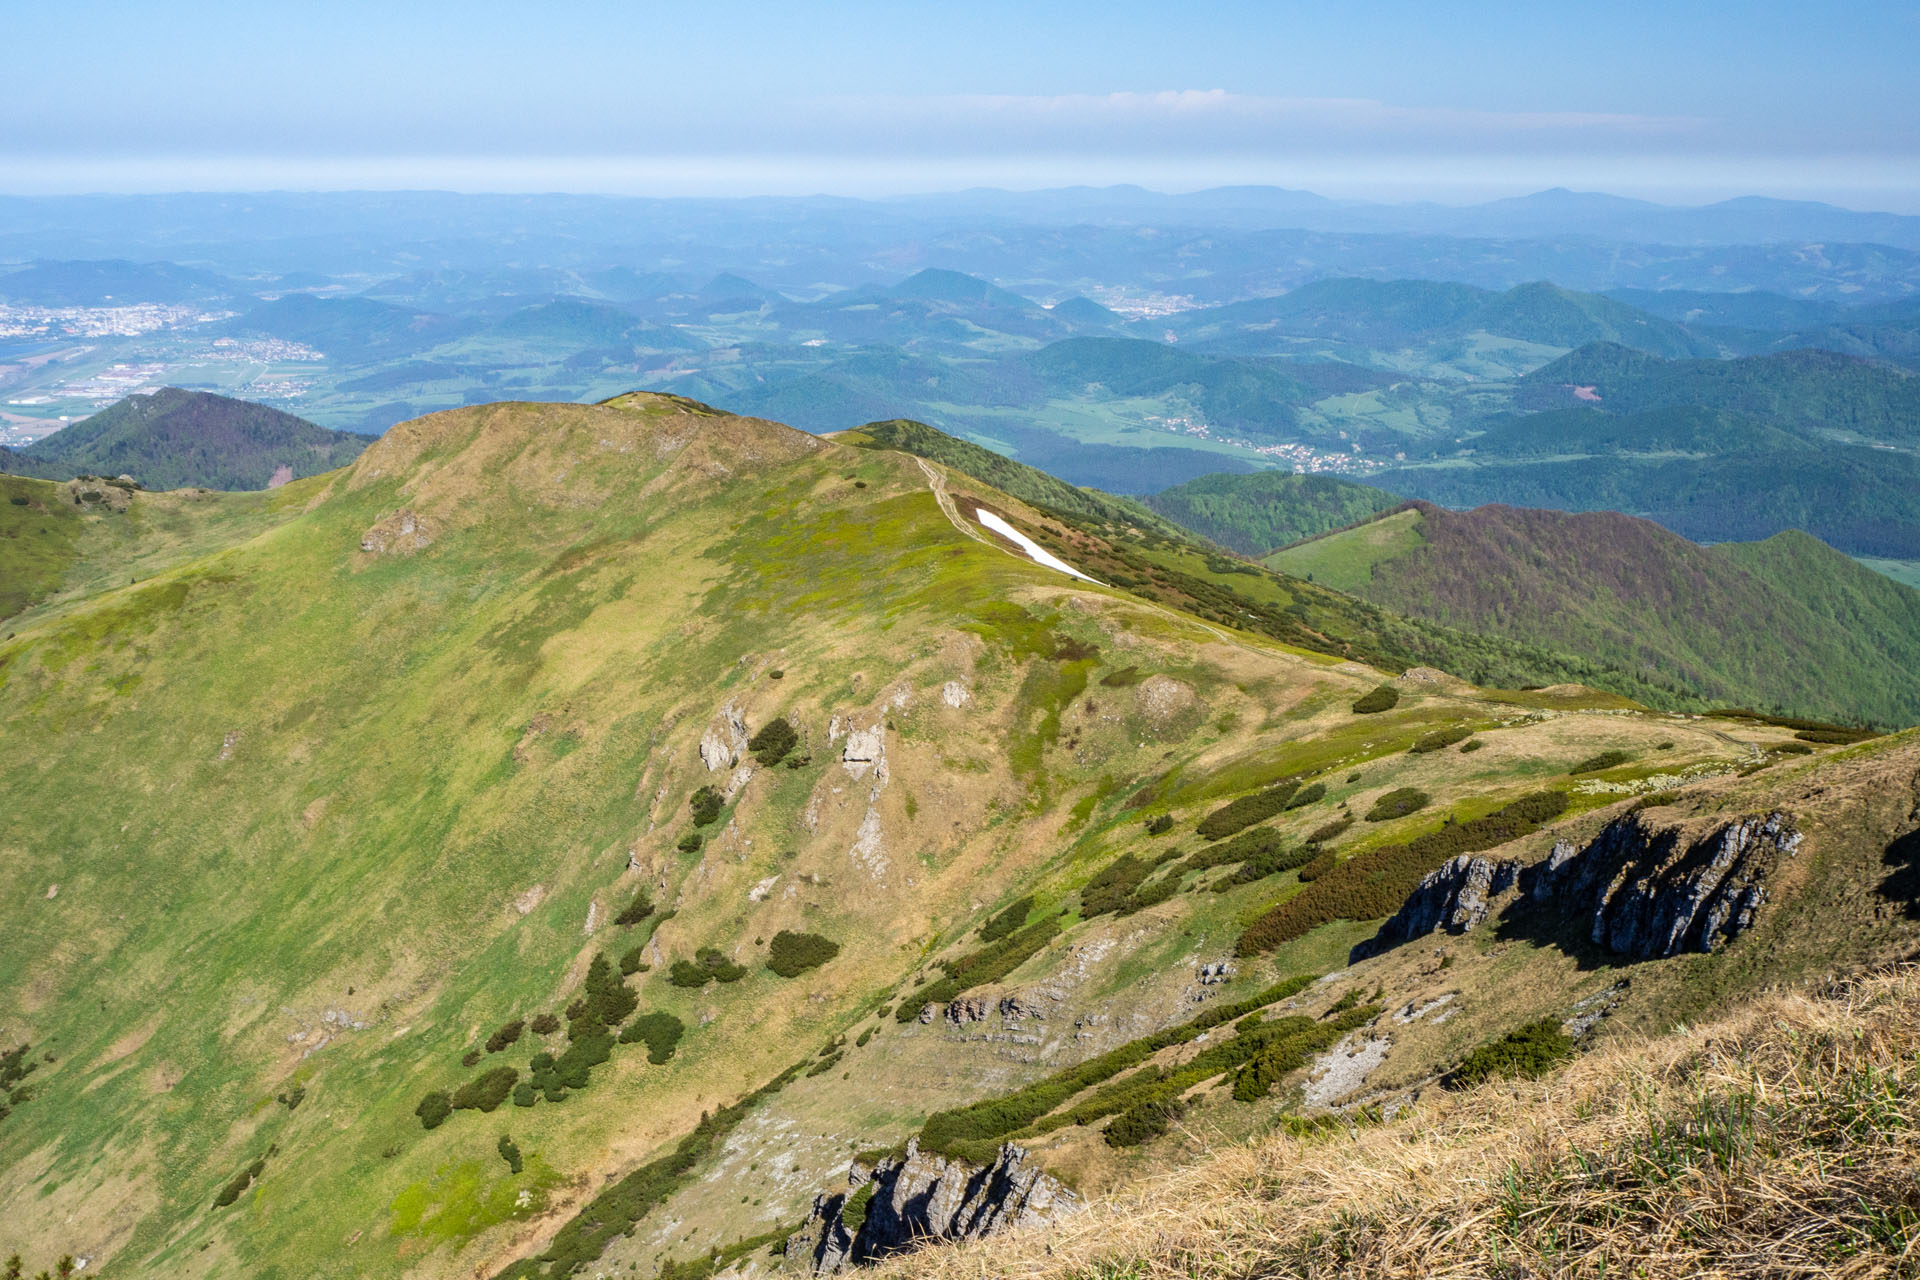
[{"x": 1679, "y": 104}]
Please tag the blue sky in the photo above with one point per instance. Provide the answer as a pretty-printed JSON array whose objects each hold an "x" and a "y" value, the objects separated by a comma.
[{"x": 1382, "y": 100}]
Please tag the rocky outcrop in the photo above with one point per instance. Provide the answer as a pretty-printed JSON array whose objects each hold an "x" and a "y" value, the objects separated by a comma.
[
  {"x": 914, "y": 1199},
  {"x": 725, "y": 740},
  {"x": 1646, "y": 892},
  {"x": 865, "y": 749},
  {"x": 1456, "y": 898},
  {"x": 401, "y": 533},
  {"x": 965, "y": 1009},
  {"x": 1652, "y": 892}
]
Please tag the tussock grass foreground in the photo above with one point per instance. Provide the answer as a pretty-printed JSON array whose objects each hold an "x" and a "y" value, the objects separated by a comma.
[{"x": 1781, "y": 1140}]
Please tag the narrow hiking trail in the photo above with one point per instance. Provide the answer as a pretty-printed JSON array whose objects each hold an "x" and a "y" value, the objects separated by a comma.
[{"x": 937, "y": 482}]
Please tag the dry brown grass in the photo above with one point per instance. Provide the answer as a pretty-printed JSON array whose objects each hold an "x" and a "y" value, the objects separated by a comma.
[{"x": 1782, "y": 1140}]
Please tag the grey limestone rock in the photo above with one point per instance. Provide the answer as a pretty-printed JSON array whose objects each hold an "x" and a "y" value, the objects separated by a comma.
[
  {"x": 1456, "y": 898},
  {"x": 916, "y": 1198}
]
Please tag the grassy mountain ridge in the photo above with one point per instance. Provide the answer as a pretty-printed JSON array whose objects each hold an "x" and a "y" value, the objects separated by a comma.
[
  {"x": 477, "y": 735},
  {"x": 176, "y": 438},
  {"x": 1789, "y": 620},
  {"x": 1165, "y": 562}
]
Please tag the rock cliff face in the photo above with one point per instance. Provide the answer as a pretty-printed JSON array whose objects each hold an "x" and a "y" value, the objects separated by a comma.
[
  {"x": 1455, "y": 898},
  {"x": 915, "y": 1199},
  {"x": 1651, "y": 893},
  {"x": 1648, "y": 891}
]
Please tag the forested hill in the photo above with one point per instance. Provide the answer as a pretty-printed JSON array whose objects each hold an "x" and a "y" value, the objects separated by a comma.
[
  {"x": 1789, "y": 621},
  {"x": 176, "y": 439}
]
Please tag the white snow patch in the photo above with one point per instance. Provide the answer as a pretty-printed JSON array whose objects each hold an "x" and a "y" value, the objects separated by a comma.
[{"x": 1037, "y": 553}]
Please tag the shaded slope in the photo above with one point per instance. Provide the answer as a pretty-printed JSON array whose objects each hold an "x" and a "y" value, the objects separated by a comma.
[
  {"x": 176, "y": 438},
  {"x": 1790, "y": 621}
]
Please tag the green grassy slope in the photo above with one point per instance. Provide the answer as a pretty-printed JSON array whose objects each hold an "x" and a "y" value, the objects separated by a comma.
[
  {"x": 53, "y": 547},
  {"x": 1253, "y": 514},
  {"x": 174, "y": 439},
  {"x": 1790, "y": 620}
]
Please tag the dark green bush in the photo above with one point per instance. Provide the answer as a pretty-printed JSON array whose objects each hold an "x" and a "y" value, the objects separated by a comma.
[
  {"x": 510, "y": 1153},
  {"x": 1529, "y": 1052},
  {"x": 506, "y": 1034},
  {"x": 792, "y": 954},
  {"x": 1248, "y": 810},
  {"x": 433, "y": 1110},
  {"x": 607, "y": 1002},
  {"x": 1398, "y": 803},
  {"x": 524, "y": 1094},
  {"x": 241, "y": 1181},
  {"x": 660, "y": 1032},
  {"x": 470, "y": 1058},
  {"x": 1004, "y": 922},
  {"x": 572, "y": 1067},
  {"x": 771, "y": 744},
  {"x": 1331, "y": 830},
  {"x": 544, "y": 1024},
  {"x": 1246, "y": 845},
  {"x": 1611, "y": 759},
  {"x": 1439, "y": 739},
  {"x": 293, "y": 1097},
  {"x": 1308, "y": 795},
  {"x": 1161, "y": 825},
  {"x": 637, "y": 910},
  {"x": 1375, "y": 883},
  {"x": 1317, "y": 866},
  {"x": 705, "y": 806},
  {"x": 1835, "y": 737},
  {"x": 1113, "y": 885},
  {"x": 634, "y": 960},
  {"x": 1143, "y": 1122},
  {"x": 1385, "y": 698},
  {"x": 485, "y": 1091},
  {"x": 1270, "y": 862},
  {"x": 1471, "y": 745},
  {"x": 1123, "y": 677},
  {"x": 691, "y": 842},
  {"x": 708, "y": 965}
]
